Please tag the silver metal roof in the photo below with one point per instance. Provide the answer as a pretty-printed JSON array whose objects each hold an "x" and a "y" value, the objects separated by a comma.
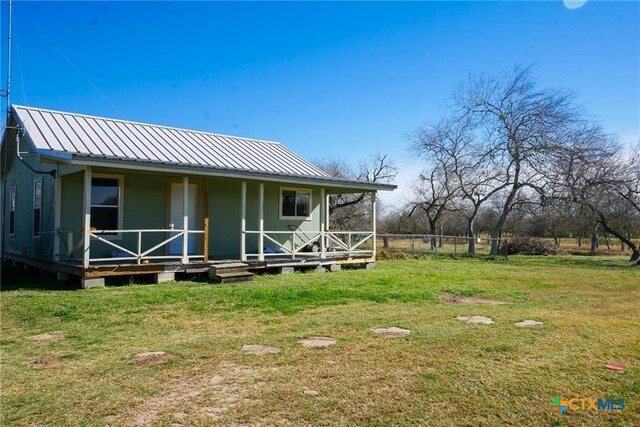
[{"x": 77, "y": 135}]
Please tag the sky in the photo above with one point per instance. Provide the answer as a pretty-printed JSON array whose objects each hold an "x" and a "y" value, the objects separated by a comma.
[{"x": 329, "y": 80}]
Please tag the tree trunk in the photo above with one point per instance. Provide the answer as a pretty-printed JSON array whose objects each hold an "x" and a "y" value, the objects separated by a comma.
[
  {"x": 433, "y": 231},
  {"x": 497, "y": 230},
  {"x": 594, "y": 241},
  {"x": 472, "y": 237},
  {"x": 635, "y": 252},
  {"x": 441, "y": 233}
]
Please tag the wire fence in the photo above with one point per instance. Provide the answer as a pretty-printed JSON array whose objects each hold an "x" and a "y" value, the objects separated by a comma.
[{"x": 400, "y": 245}]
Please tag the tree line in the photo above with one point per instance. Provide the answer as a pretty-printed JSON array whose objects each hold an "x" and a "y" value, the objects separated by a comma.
[{"x": 512, "y": 155}]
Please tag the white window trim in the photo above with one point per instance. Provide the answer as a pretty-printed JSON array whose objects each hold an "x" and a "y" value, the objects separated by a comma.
[
  {"x": 297, "y": 190},
  {"x": 33, "y": 211},
  {"x": 13, "y": 190},
  {"x": 120, "y": 178}
]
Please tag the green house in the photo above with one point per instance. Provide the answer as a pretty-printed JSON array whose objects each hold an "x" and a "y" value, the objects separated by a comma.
[{"x": 94, "y": 197}]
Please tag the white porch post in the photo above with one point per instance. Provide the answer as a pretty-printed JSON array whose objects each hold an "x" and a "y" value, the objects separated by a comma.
[
  {"x": 86, "y": 217},
  {"x": 261, "y": 223},
  {"x": 57, "y": 212},
  {"x": 185, "y": 219},
  {"x": 323, "y": 220},
  {"x": 373, "y": 221},
  {"x": 243, "y": 221}
]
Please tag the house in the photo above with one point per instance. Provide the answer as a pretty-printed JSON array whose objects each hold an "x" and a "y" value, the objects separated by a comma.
[{"x": 95, "y": 197}]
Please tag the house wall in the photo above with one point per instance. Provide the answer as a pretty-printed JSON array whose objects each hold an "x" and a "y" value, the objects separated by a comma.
[
  {"x": 143, "y": 207},
  {"x": 23, "y": 242},
  {"x": 225, "y": 216}
]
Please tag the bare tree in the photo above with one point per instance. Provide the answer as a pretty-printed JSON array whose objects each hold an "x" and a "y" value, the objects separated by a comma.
[
  {"x": 349, "y": 211},
  {"x": 522, "y": 126}
]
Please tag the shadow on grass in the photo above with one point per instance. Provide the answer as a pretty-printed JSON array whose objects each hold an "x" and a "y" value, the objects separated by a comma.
[{"x": 15, "y": 279}]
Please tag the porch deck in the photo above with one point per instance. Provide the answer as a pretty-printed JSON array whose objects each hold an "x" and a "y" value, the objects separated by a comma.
[{"x": 166, "y": 270}]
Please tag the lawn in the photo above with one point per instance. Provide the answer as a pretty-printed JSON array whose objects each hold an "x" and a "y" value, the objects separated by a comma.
[{"x": 445, "y": 372}]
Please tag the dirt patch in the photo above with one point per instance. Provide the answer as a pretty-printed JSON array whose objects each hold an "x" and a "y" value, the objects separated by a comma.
[
  {"x": 476, "y": 319},
  {"x": 47, "y": 362},
  {"x": 48, "y": 336},
  {"x": 530, "y": 324},
  {"x": 152, "y": 358},
  {"x": 454, "y": 299},
  {"x": 318, "y": 342},
  {"x": 210, "y": 397},
  {"x": 391, "y": 332},
  {"x": 259, "y": 349}
]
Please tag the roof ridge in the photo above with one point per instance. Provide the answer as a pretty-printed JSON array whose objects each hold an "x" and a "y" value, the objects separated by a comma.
[{"x": 147, "y": 124}]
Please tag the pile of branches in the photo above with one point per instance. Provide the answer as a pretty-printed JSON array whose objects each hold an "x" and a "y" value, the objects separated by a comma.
[{"x": 530, "y": 246}]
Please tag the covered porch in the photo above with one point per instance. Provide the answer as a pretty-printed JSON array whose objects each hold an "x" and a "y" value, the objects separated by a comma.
[{"x": 204, "y": 222}]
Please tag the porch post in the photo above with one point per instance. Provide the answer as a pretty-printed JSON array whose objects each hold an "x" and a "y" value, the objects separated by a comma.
[
  {"x": 57, "y": 212},
  {"x": 323, "y": 220},
  {"x": 261, "y": 223},
  {"x": 185, "y": 219},
  {"x": 205, "y": 240},
  {"x": 373, "y": 221},
  {"x": 243, "y": 221},
  {"x": 86, "y": 217}
]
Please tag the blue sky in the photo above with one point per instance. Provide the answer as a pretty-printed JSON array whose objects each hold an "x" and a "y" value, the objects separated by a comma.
[{"x": 340, "y": 80}]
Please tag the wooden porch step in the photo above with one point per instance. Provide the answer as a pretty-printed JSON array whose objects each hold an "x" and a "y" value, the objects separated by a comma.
[
  {"x": 229, "y": 267},
  {"x": 236, "y": 277},
  {"x": 230, "y": 272}
]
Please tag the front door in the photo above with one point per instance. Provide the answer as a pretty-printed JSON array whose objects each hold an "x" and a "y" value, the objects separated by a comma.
[{"x": 176, "y": 214}]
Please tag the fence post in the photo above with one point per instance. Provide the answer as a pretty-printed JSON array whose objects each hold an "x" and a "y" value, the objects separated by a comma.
[{"x": 139, "y": 245}]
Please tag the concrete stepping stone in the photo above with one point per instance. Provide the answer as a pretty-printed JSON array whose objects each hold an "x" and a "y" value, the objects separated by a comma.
[
  {"x": 311, "y": 392},
  {"x": 49, "y": 336},
  {"x": 476, "y": 320},
  {"x": 530, "y": 324},
  {"x": 152, "y": 358},
  {"x": 318, "y": 342},
  {"x": 259, "y": 349},
  {"x": 391, "y": 332}
]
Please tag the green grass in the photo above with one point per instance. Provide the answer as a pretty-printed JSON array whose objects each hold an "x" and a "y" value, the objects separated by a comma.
[{"x": 444, "y": 373}]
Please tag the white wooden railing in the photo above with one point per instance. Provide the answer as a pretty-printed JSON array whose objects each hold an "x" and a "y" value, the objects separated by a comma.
[
  {"x": 336, "y": 243},
  {"x": 139, "y": 255}
]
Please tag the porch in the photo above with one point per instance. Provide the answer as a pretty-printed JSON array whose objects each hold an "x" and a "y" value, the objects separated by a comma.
[{"x": 196, "y": 233}]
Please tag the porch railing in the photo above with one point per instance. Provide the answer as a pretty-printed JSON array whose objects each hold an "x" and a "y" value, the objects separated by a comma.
[
  {"x": 301, "y": 243},
  {"x": 139, "y": 254}
]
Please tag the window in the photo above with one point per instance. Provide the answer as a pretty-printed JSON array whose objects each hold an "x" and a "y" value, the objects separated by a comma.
[
  {"x": 37, "y": 207},
  {"x": 105, "y": 203},
  {"x": 12, "y": 211},
  {"x": 295, "y": 203}
]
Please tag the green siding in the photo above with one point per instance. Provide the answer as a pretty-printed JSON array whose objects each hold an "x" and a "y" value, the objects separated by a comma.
[
  {"x": 23, "y": 242},
  {"x": 145, "y": 206}
]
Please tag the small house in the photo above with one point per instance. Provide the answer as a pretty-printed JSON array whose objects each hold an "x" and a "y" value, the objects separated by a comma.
[{"x": 95, "y": 197}]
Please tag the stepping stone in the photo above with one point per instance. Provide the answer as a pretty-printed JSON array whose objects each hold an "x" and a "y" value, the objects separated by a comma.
[
  {"x": 49, "y": 336},
  {"x": 311, "y": 392},
  {"x": 530, "y": 324},
  {"x": 259, "y": 349},
  {"x": 391, "y": 332},
  {"x": 319, "y": 342},
  {"x": 152, "y": 358},
  {"x": 475, "y": 319}
]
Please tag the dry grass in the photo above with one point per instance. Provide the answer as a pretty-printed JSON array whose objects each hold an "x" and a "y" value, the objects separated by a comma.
[{"x": 445, "y": 372}]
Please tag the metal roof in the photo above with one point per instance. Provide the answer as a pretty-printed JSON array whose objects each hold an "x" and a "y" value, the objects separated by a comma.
[{"x": 79, "y": 135}]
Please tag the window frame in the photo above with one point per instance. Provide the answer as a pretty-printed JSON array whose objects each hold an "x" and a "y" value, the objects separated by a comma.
[
  {"x": 297, "y": 190},
  {"x": 13, "y": 197},
  {"x": 120, "y": 179},
  {"x": 33, "y": 212}
]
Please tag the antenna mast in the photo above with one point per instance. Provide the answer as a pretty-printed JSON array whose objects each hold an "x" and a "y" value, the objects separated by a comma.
[{"x": 7, "y": 92}]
